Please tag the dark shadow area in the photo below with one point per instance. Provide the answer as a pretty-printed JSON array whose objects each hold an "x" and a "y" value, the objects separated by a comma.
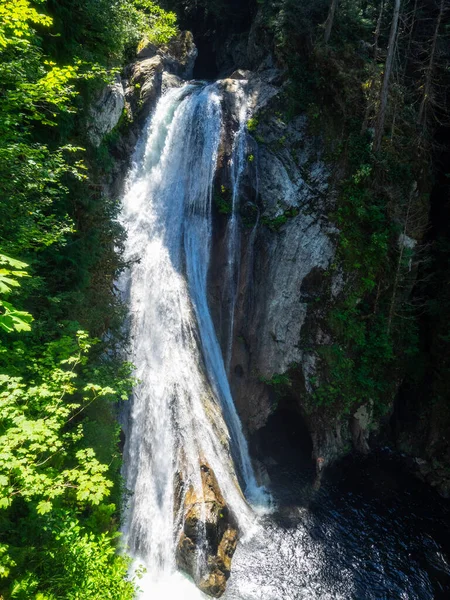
[
  {"x": 284, "y": 447},
  {"x": 285, "y": 438},
  {"x": 422, "y": 401},
  {"x": 206, "y": 63},
  {"x": 212, "y": 22}
]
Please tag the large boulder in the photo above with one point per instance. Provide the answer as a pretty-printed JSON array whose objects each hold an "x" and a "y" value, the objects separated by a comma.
[
  {"x": 178, "y": 55},
  {"x": 156, "y": 70},
  {"x": 105, "y": 114},
  {"x": 209, "y": 537},
  {"x": 144, "y": 87}
]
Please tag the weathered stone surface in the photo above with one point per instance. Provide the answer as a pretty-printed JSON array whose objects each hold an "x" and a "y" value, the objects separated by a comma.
[
  {"x": 360, "y": 424},
  {"x": 261, "y": 91},
  {"x": 208, "y": 541},
  {"x": 169, "y": 80},
  {"x": 260, "y": 42},
  {"x": 146, "y": 81},
  {"x": 240, "y": 74},
  {"x": 178, "y": 55},
  {"x": 106, "y": 112}
]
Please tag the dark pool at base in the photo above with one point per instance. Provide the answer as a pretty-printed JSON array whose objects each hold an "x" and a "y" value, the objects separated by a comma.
[{"x": 368, "y": 530}]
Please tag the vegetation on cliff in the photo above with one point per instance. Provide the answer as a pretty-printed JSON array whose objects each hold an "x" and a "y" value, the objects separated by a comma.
[
  {"x": 61, "y": 377},
  {"x": 377, "y": 74},
  {"x": 373, "y": 78}
]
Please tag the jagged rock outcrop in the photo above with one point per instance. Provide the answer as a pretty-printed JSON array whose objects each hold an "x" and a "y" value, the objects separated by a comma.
[
  {"x": 157, "y": 69},
  {"x": 106, "y": 112},
  {"x": 178, "y": 55},
  {"x": 135, "y": 95},
  {"x": 209, "y": 537}
]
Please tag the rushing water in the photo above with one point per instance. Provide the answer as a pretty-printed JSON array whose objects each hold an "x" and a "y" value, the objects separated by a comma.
[
  {"x": 337, "y": 541},
  {"x": 233, "y": 234},
  {"x": 182, "y": 409}
]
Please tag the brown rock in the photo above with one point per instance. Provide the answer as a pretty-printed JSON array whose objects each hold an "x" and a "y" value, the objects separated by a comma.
[{"x": 209, "y": 537}]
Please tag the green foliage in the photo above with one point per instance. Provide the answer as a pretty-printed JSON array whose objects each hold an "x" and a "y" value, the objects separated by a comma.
[
  {"x": 252, "y": 124},
  {"x": 367, "y": 353},
  {"x": 223, "y": 201},
  {"x": 362, "y": 217},
  {"x": 293, "y": 23},
  {"x": 45, "y": 464},
  {"x": 59, "y": 438},
  {"x": 15, "y": 19},
  {"x": 157, "y": 25},
  {"x": 73, "y": 562},
  {"x": 12, "y": 319},
  {"x": 277, "y": 222},
  {"x": 41, "y": 460},
  {"x": 105, "y": 31},
  {"x": 361, "y": 366},
  {"x": 278, "y": 379},
  {"x": 280, "y": 384}
]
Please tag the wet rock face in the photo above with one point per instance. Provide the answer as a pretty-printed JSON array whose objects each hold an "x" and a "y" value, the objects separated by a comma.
[
  {"x": 209, "y": 537},
  {"x": 287, "y": 244}
]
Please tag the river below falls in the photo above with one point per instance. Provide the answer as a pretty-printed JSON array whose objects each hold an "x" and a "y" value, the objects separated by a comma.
[{"x": 368, "y": 531}]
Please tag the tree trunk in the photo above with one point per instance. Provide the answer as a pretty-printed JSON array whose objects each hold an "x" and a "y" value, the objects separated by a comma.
[
  {"x": 430, "y": 69},
  {"x": 370, "y": 93},
  {"x": 379, "y": 129},
  {"x": 330, "y": 20},
  {"x": 377, "y": 31}
]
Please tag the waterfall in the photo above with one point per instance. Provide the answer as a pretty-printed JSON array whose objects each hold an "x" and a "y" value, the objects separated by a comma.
[
  {"x": 341, "y": 543},
  {"x": 182, "y": 410}
]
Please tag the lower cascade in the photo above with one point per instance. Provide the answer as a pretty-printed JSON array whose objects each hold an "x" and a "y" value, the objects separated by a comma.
[{"x": 187, "y": 463}]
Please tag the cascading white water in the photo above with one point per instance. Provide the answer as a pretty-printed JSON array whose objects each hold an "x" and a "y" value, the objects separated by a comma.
[
  {"x": 182, "y": 410},
  {"x": 233, "y": 236}
]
